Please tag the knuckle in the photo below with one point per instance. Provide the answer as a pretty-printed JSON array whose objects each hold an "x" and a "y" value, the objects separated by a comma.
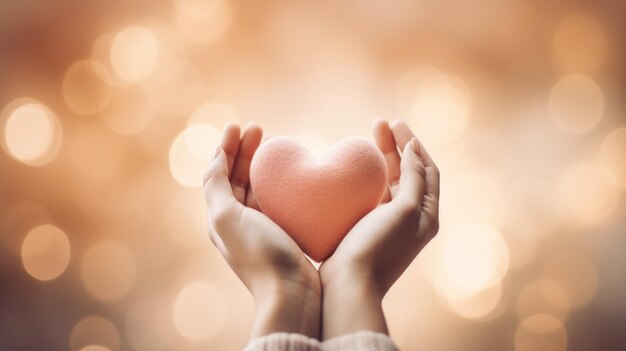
[
  {"x": 421, "y": 170},
  {"x": 408, "y": 208},
  {"x": 416, "y": 170},
  {"x": 209, "y": 175},
  {"x": 221, "y": 219},
  {"x": 212, "y": 175}
]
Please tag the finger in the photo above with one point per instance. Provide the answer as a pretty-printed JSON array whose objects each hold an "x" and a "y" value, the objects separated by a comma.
[
  {"x": 402, "y": 134},
  {"x": 241, "y": 170},
  {"x": 251, "y": 199},
  {"x": 386, "y": 195},
  {"x": 387, "y": 145},
  {"x": 412, "y": 178},
  {"x": 432, "y": 172},
  {"x": 230, "y": 144},
  {"x": 217, "y": 191}
]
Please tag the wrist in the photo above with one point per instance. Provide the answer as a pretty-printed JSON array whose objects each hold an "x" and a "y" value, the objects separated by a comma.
[
  {"x": 287, "y": 305},
  {"x": 352, "y": 303}
]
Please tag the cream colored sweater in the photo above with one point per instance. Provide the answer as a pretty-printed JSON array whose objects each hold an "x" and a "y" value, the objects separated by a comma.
[{"x": 360, "y": 341}]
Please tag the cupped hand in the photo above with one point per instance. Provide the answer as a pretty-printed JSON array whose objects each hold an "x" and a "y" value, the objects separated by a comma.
[
  {"x": 380, "y": 247},
  {"x": 283, "y": 282}
]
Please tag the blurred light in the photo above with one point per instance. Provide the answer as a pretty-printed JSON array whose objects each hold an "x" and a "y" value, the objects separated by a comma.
[
  {"x": 214, "y": 114},
  {"x": 580, "y": 44},
  {"x": 129, "y": 111},
  {"x": 208, "y": 28},
  {"x": 171, "y": 43},
  {"x": 488, "y": 151},
  {"x": 473, "y": 197},
  {"x": 576, "y": 104},
  {"x": 151, "y": 182},
  {"x": 134, "y": 53},
  {"x": 45, "y": 252},
  {"x": 175, "y": 87},
  {"x": 613, "y": 157},
  {"x": 396, "y": 319},
  {"x": 201, "y": 264},
  {"x": 197, "y": 8},
  {"x": 101, "y": 53},
  {"x": 317, "y": 144},
  {"x": 294, "y": 29},
  {"x": 108, "y": 270},
  {"x": 409, "y": 85},
  {"x": 429, "y": 261},
  {"x": 481, "y": 305},
  {"x": 18, "y": 219},
  {"x": 200, "y": 311},
  {"x": 94, "y": 348},
  {"x": 541, "y": 332},
  {"x": 32, "y": 134},
  {"x": 186, "y": 218},
  {"x": 529, "y": 132},
  {"x": 473, "y": 257},
  {"x": 94, "y": 330},
  {"x": 441, "y": 110},
  {"x": 149, "y": 324},
  {"x": 325, "y": 73},
  {"x": 532, "y": 209},
  {"x": 94, "y": 154},
  {"x": 543, "y": 296},
  {"x": 390, "y": 19},
  {"x": 521, "y": 251},
  {"x": 587, "y": 198},
  {"x": 87, "y": 87},
  {"x": 576, "y": 275},
  {"x": 321, "y": 72},
  {"x": 191, "y": 152},
  {"x": 455, "y": 161}
]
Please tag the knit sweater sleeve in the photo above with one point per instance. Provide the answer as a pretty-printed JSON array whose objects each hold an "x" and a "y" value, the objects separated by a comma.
[
  {"x": 284, "y": 342},
  {"x": 360, "y": 341}
]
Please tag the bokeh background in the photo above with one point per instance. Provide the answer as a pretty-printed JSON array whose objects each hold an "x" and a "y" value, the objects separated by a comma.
[{"x": 110, "y": 111}]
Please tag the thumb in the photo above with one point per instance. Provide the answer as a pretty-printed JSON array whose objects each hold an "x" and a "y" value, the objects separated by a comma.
[
  {"x": 217, "y": 190},
  {"x": 412, "y": 177}
]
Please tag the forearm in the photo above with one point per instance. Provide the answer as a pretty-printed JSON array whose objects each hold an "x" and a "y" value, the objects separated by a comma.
[
  {"x": 351, "y": 304},
  {"x": 289, "y": 308}
]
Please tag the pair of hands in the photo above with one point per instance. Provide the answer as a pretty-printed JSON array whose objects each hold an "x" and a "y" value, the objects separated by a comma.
[{"x": 287, "y": 289}]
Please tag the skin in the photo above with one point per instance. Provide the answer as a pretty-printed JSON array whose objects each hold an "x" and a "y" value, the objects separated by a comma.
[
  {"x": 287, "y": 289},
  {"x": 284, "y": 284},
  {"x": 382, "y": 244}
]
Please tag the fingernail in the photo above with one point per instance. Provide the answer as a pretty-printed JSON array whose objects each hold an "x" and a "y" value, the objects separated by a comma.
[{"x": 217, "y": 152}]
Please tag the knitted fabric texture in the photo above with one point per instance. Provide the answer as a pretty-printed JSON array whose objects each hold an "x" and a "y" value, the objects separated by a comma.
[
  {"x": 284, "y": 342},
  {"x": 360, "y": 341}
]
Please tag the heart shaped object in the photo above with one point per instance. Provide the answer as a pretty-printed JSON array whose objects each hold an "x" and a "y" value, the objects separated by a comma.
[{"x": 317, "y": 201}]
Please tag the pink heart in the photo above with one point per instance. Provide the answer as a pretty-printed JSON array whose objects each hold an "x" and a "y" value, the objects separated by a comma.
[{"x": 317, "y": 201}]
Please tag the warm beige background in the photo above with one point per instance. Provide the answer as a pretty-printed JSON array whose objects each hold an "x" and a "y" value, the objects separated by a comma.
[{"x": 110, "y": 111}]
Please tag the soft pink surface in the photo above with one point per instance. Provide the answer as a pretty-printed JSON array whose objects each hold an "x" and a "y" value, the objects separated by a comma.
[{"x": 317, "y": 201}]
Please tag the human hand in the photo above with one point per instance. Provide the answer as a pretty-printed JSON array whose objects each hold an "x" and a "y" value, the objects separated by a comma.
[
  {"x": 380, "y": 247},
  {"x": 282, "y": 281}
]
